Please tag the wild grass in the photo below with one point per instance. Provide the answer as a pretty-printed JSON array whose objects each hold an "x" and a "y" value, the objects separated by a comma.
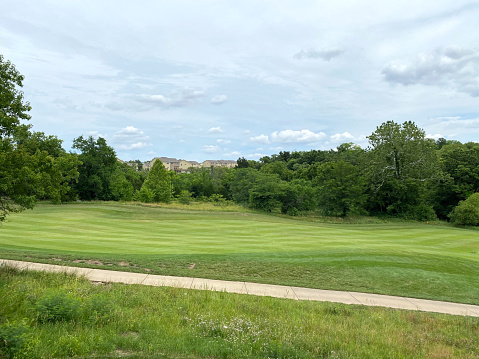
[
  {"x": 151, "y": 322},
  {"x": 387, "y": 257}
]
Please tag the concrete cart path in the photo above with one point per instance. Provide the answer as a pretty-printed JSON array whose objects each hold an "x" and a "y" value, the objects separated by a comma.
[{"x": 278, "y": 291}]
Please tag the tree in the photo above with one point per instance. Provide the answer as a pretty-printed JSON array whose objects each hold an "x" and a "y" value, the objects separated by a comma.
[
  {"x": 401, "y": 162},
  {"x": 157, "y": 186},
  {"x": 98, "y": 165},
  {"x": 467, "y": 212},
  {"x": 340, "y": 188},
  {"x": 19, "y": 181},
  {"x": 13, "y": 108}
]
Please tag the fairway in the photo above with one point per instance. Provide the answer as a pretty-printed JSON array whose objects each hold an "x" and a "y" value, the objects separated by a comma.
[{"x": 399, "y": 258}]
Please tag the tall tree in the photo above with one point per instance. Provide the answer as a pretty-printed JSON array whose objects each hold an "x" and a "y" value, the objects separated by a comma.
[
  {"x": 20, "y": 182},
  {"x": 401, "y": 162},
  {"x": 157, "y": 186},
  {"x": 98, "y": 165},
  {"x": 341, "y": 188}
]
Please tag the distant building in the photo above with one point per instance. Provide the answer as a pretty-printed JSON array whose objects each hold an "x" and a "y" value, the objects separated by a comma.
[
  {"x": 219, "y": 163},
  {"x": 179, "y": 165}
]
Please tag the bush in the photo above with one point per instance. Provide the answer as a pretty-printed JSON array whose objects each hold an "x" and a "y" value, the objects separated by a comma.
[
  {"x": 99, "y": 309},
  {"x": 466, "y": 212},
  {"x": 12, "y": 339},
  {"x": 185, "y": 197},
  {"x": 424, "y": 213},
  {"x": 57, "y": 307},
  {"x": 292, "y": 211}
]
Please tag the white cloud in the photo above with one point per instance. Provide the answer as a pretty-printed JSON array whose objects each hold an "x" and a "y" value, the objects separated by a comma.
[
  {"x": 219, "y": 99},
  {"x": 215, "y": 130},
  {"x": 325, "y": 55},
  {"x": 225, "y": 142},
  {"x": 342, "y": 137},
  {"x": 279, "y": 148},
  {"x": 256, "y": 155},
  {"x": 130, "y": 138},
  {"x": 452, "y": 67},
  {"x": 260, "y": 139},
  {"x": 232, "y": 154},
  {"x": 96, "y": 134},
  {"x": 246, "y": 132},
  {"x": 435, "y": 137},
  {"x": 177, "y": 98},
  {"x": 210, "y": 149},
  {"x": 302, "y": 136}
]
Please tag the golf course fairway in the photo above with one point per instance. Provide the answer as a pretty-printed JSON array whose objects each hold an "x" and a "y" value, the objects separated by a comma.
[{"x": 421, "y": 260}]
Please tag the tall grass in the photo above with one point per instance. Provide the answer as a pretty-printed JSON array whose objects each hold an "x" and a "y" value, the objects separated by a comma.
[{"x": 117, "y": 320}]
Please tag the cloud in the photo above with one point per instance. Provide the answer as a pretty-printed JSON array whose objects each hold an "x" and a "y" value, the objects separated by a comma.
[
  {"x": 256, "y": 155},
  {"x": 450, "y": 67},
  {"x": 223, "y": 141},
  {"x": 302, "y": 136},
  {"x": 232, "y": 154},
  {"x": 177, "y": 98},
  {"x": 326, "y": 55},
  {"x": 260, "y": 139},
  {"x": 218, "y": 99},
  {"x": 215, "y": 130},
  {"x": 435, "y": 137},
  {"x": 130, "y": 138},
  {"x": 96, "y": 134},
  {"x": 342, "y": 137},
  {"x": 210, "y": 149}
]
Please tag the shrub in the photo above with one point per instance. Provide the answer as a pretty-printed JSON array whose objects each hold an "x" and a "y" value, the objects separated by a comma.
[
  {"x": 57, "y": 307},
  {"x": 423, "y": 212},
  {"x": 99, "y": 309},
  {"x": 12, "y": 339},
  {"x": 185, "y": 197},
  {"x": 466, "y": 212},
  {"x": 292, "y": 211}
]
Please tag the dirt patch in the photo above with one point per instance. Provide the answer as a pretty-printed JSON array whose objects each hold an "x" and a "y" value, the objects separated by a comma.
[
  {"x": 100, "y": 263},
  {"x": 124, "y": 264},
  {"x": 56, "y": 259},
  {"x": 192, "y": 266},
  {"x": 147, "y": 269}
]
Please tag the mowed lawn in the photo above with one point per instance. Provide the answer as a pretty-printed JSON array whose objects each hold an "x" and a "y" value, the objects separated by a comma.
[{"x": 398, "y": 258}]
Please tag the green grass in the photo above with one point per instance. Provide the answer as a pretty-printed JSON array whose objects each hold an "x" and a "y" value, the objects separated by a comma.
[
  {"x": 397, "y": 258},
  {"x": 131, "y": 321}
]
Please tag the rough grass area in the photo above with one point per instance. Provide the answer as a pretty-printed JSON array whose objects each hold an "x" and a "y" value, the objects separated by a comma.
[
  {"x": 397, "y": 258},
  {"x": 45, "y": 315}
]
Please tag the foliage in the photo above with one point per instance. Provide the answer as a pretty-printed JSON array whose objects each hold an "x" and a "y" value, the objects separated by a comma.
[
  {"x": 401, "y": 163},
  {"x": 341, "y": 188},
  {"x": 467, "y": 212},
  {"x": 57, "y": 307},
  {"x": 12, "y": 338},
  {"x": 98, "y": 163},
  {"x": 157, "y": 186},
  {"x": 185, "y": 197}
]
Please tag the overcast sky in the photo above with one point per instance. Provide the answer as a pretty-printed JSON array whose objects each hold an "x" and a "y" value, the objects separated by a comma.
[{"x": 222, "y": 79}]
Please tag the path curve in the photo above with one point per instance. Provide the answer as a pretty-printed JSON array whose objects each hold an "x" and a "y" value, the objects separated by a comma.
[{"x": 270, "y": 290}]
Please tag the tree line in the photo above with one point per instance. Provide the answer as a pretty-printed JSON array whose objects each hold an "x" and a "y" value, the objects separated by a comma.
[{"x": 402, "y": 173}]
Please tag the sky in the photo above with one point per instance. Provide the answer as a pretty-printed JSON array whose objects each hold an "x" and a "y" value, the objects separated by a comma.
[{"x": 206, "y": 79}]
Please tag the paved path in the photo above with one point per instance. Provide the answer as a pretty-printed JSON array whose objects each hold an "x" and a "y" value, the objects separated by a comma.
[{"x": 279, "y": 291}]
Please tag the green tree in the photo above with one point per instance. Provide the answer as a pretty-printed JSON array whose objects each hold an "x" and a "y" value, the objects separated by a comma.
[
  {"x": 98, "y": 165},
  {"x": 402, "y": 163},
  {"x": 157, "y": 186},
  {"x": 340, "y": 188},
  {"x": 20, "y": 180},
  {"x": 467, "y": 212},
  {"x": 266, "y": 193}
]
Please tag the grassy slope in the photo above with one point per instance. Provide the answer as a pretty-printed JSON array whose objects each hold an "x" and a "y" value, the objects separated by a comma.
[
  {"x": 407, "y": 259},
  {"x": 131, "y": 321}
]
